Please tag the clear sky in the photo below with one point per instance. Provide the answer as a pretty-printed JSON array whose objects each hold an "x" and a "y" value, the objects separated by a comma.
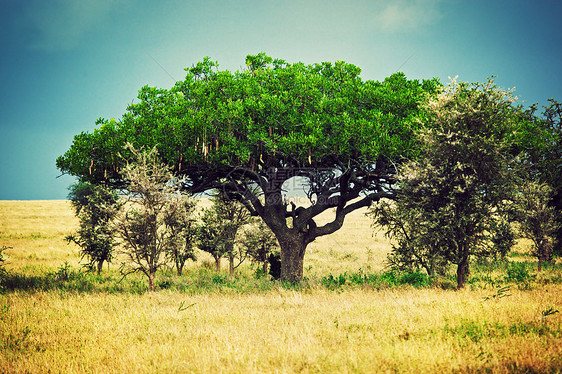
[{"x": 63, "y": 64}]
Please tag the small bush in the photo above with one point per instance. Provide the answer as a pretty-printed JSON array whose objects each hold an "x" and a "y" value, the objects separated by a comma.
[
  {"x": 219, "y": 279},
  {"x": 518, "y": 272},
  {"x": 389, "y": 278}
]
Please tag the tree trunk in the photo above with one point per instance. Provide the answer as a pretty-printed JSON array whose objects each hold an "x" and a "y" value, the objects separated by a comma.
[
  {"x": 544, "y": 252},
  {"x": 179, "y": 267},
  {"x": 217, "y": 264},
  {"x": 292, "y": 256},
  {"x": 100, "y": 266},
  {"x": 231, "y": 265},
  {"x": 151, "y": 277},
  {"x": 462, "y": 272}
]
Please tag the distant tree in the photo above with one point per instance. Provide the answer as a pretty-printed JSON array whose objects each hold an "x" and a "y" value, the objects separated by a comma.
[
  {"x": 209, "y": 236},
  {"x": 95, "y": 206},
  {"x": 259, "y": 243},
  {"x": 543, "y": 147},
  {"x": 181, "y": 222},
  {"x": 261, "y": 127},
  {"x": 221, "y": 225},
  {"x": 537, "y": 219},
  {"x": 451, "y": 197},
  {"x": 143, "y": 222},
  {"x": 553, "y": 122}
]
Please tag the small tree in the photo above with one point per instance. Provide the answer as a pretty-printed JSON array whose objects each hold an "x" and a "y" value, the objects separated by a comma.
[
  {"x": 209, "y": 237},
  {"x": 183, "y": 228},
  {"x": 220, "y": 225},
  {"x": 143, "y": 224},
  {"x": 259, "y": 243},
  {"x": 544, "y": 150},
  {"x": 452, "y": 195},
  {"x": 537, "y": 219},
  {"x": 95, "y": 206}
]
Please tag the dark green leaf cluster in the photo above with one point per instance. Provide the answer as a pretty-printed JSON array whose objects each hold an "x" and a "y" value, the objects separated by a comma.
[
  {"x": 219, "y": 227},
  {"x": 180, "y": 221},
  {"x": 537, "y": 219},
  {"x": 95, "y": 206},
  {"x": 543, "y": 148},
  {"x": 259, "y": 243}
]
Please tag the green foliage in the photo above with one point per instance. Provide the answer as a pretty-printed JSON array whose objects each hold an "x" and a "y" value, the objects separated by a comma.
[
  {"x": 218, "y": 230},
  {"x": 310, "y": 114},
  {"x": 543, "y": 148},
  {"x": 3, "y": 259},
  {"x": 502, "y": 238},
  {"x": 548, "y": 312},
  {"x": 500, "y": 293},
  {"x": 180, "y": 222},
  {"x": 518, "y": 272},
  {"x": 3, "y": 272},
  {"x": 537, "y": 219},
  {"x": 389, "y": 278},
  {"x": 259, "y": 243},
  {"x": 452, "y": 196},
  {"x": 476, "y": 331},
  {"x": 95, "y": 206}
]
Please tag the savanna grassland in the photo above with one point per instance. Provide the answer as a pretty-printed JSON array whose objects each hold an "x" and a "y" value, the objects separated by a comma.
[{"x": 350, "y": 315}]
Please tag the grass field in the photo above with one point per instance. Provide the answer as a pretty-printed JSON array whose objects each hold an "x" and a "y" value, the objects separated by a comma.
[{"x": 55, "y": 318}]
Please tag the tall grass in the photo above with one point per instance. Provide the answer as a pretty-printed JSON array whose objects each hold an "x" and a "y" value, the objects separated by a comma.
[{"x": 352, "y": 314}]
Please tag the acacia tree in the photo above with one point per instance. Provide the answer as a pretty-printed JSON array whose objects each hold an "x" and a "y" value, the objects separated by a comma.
[
  {"x": 261, "y": 127},
  {"x": 143, "y": 224},
  {"x": 95, "y": 206},
  {"x": 451, "y": 197}
]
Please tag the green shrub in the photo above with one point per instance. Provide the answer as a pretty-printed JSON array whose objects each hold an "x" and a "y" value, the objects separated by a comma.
[{"x": 518, "y": 272}]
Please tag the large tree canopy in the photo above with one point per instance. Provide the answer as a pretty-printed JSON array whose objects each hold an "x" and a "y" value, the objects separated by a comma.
[{"x": 260, "y": 127}]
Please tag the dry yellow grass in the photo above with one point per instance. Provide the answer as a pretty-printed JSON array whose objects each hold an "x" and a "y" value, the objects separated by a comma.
[
  {"x": 35, "y": 230},
  {"x": 279, "y": 331}
]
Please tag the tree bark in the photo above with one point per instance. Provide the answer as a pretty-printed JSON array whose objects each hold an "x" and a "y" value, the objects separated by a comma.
[
  {"x": 179, "y": 267},
  {"x": 100, "y": 266},
  {"x": 151, "y": 277},
  {"x": 231, "y": 265},
  {"x": 462, "y": 272},
  {"x": 292, "y": 257}
]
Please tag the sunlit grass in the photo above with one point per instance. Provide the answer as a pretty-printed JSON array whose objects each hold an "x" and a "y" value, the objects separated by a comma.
[{"x": 55, "y": 318}]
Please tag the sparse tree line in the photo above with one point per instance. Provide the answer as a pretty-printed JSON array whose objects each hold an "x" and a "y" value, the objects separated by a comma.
[
  {"x": 451, "y": 172},
  {"x": 152, "y": 225}
]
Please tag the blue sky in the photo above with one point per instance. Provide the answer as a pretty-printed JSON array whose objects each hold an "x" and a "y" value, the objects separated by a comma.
[{"x": 63, "y": 64}]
